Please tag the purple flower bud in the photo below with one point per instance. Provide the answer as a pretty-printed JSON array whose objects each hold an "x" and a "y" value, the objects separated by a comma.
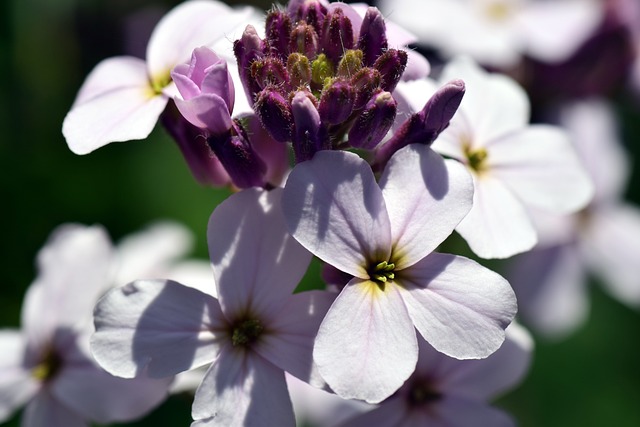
[
  {"x": 249, "y": 48},
  {"x": 269, "y": 71},
  {"x": 204, "y": 165},
  {"x": 374, "y": 121},
  {"x": 304, "y": 40},
  {"x": 307, "y": 138},
  {"x": 366, "y": 82},
  {"x": 278, "y": 33},
  {"x": 373, "y": 36},
  {"x": 425, "y": 126},
  {"x": 336, "y": 102},
  {"x": 337, "y": 35},
  {"x": 299, "y": 70},
  {"x": 239, "y": 159},
  {"x": 311, "y": 11},
  {"x": 391, "y": 65},
  {"x": 350, "y": 64},
  {"x": 274, "y": 113}
]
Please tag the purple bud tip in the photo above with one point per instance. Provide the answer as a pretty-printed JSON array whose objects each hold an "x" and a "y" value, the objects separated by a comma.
[
  {"x": 249, "y": 48},
  {"x": 274, "y": 113},
  {"x": 299, "y": 70},
  {"x": 337, "y": 35},
  {"x": 336, "y": 102},
  {"x": 374, "y": 121},
  {"x": 269, "y": 71},
  {"x": 304, "y": 40},
  {"x": 366, "y": 82},
  {"x": 278, "y": 32},
  {"x": 373, "y": 36},
  {"x": 391, "y": 65},
  {"x": 307, "y": 137}
]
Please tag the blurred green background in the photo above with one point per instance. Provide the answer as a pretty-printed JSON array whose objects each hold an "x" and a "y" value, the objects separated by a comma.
[{"x": 48, "y": 46}]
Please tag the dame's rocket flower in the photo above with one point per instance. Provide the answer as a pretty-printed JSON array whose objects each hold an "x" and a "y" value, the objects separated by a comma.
[
  {"x": 454, "y": 393},
  {"x": 47, "y": 365},
  {"x": 515, "y": 166},
  {"x": 498, "y": 32},
  {"x": 384, "y": 235},
  {"x": 253, "y": 332},
  {"x": 123, "y": 97}
]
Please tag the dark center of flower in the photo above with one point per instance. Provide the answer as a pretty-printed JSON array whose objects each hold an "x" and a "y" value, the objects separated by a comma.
[
  {"x": 476, "y": 159},
  {"x": 246, "y": 332},
  {"x": 382, "y": 272},
  {"x": 421, "y": 393},
  {"x": 159, "y": 82},
  {"x": 48, "y": 368}
]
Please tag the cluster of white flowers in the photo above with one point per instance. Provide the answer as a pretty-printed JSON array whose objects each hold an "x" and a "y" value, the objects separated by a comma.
[{"x": 388, "y": 163}]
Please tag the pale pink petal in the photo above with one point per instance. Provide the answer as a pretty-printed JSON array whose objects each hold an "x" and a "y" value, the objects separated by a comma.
[
  {"x": 594, "y": 132},
  {"x": 256, "y": 263},
  {"x": 460, "y": 307},
  {"x": 17, "y": 384},
  {"x": 206, "y": 111},
  {"x": 240, "y": 389},
  {"x": 555, "y": 30},
  {"x": 188, "y": 381},
  {"x": 289, "y": 343},
  {"x": 187, "y": 26},
  {"x": 161, "y": 326},
  {"x": 334, "y": 207},
  {"x": 194, "y": 274},
  {"x": 486, "y": 379},
  {"x": 493, "y": 104},
  {"x": 411, "y": 97},
  {"x": 418, "y": 66},
  {"x": 366, "y": 346},
  {"x": 101, "y": 397},
  {"x": 612, "y": 245},
  {"x": 392, "y": 413},
  {"x": 46, "y": 411},
  {"x": 219, "y": 81},
  {"x": 74, "y": 269},
  {"x": 541, "y": 168},
  {"x": 550, "y": 284},
  {"x": 149, "y": 253},
  {"x": 113, "y": 74},
  {"x": 497, "y": 226},
  {"x": 123, "y": 114},
  {"x": 426, "y": 197}
]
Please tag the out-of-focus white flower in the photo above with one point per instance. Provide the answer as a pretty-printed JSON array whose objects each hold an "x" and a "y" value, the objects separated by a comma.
[{"x": 499, "y": 32}]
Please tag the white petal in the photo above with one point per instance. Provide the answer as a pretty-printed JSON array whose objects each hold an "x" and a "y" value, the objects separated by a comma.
[
  {"x": 46, "y": 411},
  {"x": 550, "y": 284},
  {"x": 334, "y": 207},
  {"x": 17, "y": 384},
  {"x": 541, "y": 168},
  {"x": 426, "y": 198},
  {"x": 103, "y": 398},
  {"x": 612, "y": 245},
  {"x": 289, "y": 343},
  {"x": 112, "y": 74},
  {"x": 124, "y": 114},
  {"x": 74, "y": 269},
  {"x": 391, "y": 413},
  {"x": 497, "y": 225},
  {"x": 486, "y": 379},
  {"x": 256, "y": 263},
  {"x": 149, "y": 253},
  {"x": 187, "y": 26},
  {"x": 366, "y": 347},
  {"x": 242, "y": 389},
  {"x": 460, "y": 307},
  {"x": 161, "y": 326},
  {"x": 493, "y": 104}
]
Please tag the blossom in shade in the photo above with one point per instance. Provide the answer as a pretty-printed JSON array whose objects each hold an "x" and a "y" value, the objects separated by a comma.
[
  {"x": 499, "y": 32},
  {"x": 515, "y": 166},
  {"x": 384, "y": 236},
  {"x": 455, "y": 393},
  {"x": 602, "y": 239},
  {"x": 253, "y": 332},
  {"x": 122, "y": 98},
  {"x": 47, "y": 365}
]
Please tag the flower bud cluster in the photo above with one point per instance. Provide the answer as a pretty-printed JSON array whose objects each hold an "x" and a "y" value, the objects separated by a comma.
[{"x": 322, "y": 77}]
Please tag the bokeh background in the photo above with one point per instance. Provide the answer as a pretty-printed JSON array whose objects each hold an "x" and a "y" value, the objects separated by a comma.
[{"x": 47, "y": 47}]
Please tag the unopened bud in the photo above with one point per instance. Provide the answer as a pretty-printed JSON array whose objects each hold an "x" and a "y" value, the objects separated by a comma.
[
  {"x": 269, "y": 71},
  {"x": 249, "y": 48},
  {"x": 374, "y": 121},
  {"x": 278, "y": 32},
  {"x": 373, "y": 38},
  {"x": 321, "y": 69},
  {"x": 336, "y": 102},
  {"x": 350, "y": 63},
  {"x": 366, "y": 82},
  {"x": 337, "y": 35},
  {"x": 391, "y": 65},
  {"x": 274, "y": 113},
  {"x": 299, "y": 70},
  {"x": 307, "y": 138},
  {"x": 311, "y": 11},
  {"x": 304, "y": 40}
]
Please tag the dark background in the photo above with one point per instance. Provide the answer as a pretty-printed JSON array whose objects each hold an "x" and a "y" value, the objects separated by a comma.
[{"x": 47, "y": 47}]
